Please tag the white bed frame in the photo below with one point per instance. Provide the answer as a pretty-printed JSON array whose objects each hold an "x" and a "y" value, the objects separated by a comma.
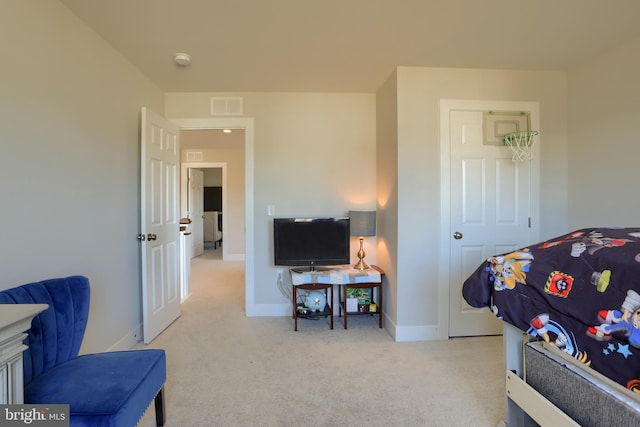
[{"x": 524, "y": 406}]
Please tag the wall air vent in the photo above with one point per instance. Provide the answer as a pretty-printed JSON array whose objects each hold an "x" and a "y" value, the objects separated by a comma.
[
  {"x": 194, "y": 156},
  {"x": 225, "y": 106}
]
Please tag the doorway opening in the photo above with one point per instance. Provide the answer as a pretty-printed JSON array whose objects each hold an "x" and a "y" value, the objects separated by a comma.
[
  {"x": 205, "y": 211},
  {"x": 244, "y": 238},
  {"x": 213, "y": 190},
  {"x": 204, "y": 201}
]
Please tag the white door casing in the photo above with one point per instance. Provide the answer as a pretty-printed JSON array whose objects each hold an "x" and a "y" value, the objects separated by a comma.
[
  {"x": 490, "y": 202},
  {"x": 196, "y": 210},
  {"x": 160, "y": 222}
]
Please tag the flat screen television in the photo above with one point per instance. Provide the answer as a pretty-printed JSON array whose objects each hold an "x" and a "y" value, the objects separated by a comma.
[
  {"x": 212, "y": 199},
  {"x": 311, "y": 242}
]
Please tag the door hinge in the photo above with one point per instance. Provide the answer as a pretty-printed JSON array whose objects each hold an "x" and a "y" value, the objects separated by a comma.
[{"x": 529, "y": 222}]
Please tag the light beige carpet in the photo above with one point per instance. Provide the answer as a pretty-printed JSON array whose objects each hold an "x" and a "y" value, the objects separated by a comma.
[{"x": 225, "y": 369}]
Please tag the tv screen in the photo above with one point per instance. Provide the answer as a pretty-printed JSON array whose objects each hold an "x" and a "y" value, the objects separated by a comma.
[
  {"x": 311, "y": 242},
  {"x": 212, "y": 199}
]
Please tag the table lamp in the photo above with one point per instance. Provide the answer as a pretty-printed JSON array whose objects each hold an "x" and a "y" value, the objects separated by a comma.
[{"x": 362, "y": 224}]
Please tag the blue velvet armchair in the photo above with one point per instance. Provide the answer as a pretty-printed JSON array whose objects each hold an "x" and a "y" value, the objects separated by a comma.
[{"x": 103, "y": 389}]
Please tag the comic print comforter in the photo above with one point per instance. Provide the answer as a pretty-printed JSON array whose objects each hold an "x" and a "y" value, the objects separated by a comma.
[{"x": 579, "y": 292}]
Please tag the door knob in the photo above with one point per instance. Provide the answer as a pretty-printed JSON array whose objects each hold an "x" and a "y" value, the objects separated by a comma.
[
  {"x": 151, "y": 237},
  {"x": 457, "y": 235},
  {"x": 141, "y": 237}
]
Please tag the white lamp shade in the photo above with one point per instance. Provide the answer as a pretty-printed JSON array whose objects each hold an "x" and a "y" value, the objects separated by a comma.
[{"x": 362, "y": 223}]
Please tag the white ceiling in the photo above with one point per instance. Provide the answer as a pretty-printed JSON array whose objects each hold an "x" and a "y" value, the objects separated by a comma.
[{"x": 349, "y": 45}]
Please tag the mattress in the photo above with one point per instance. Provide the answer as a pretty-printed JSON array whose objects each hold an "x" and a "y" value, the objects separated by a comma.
[{"x": 588, "y": 397}]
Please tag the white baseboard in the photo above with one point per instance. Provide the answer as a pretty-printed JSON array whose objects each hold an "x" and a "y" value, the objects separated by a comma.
[
  {"x": 268, "y": 310},
  {"x": 128, "y": 341},
  {"x": 416, "y": 333}
]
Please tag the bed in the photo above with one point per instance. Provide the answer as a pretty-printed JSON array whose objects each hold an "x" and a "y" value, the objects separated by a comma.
[{"x": 579, "y": 294}]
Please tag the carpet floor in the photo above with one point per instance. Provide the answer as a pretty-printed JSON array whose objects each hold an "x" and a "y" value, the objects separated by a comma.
[{"x": 226, "y": 369}]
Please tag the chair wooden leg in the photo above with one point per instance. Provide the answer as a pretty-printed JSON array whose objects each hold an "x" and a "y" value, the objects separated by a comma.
[{"x": 159, "y": 403}]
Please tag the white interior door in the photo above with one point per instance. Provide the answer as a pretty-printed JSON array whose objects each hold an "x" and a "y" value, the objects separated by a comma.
[
  {"x": 490, "y": 210},
  {"x": 160, "y": 222},
  {"x": 196, "y": 210}
]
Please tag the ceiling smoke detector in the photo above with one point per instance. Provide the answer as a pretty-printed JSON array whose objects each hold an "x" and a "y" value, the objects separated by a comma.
[{"x": 182, "y": 59}]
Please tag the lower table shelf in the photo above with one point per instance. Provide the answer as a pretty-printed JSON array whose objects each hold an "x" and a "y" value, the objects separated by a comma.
[
  {"x": 328, "y": 309},
  {"x": 360, "y": 313},
  {"x": 367, "y": 308},
  {"x": 313, "y": 314}
]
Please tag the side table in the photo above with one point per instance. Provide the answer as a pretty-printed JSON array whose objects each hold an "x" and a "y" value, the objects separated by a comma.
[{"x": 365, "y": 285}]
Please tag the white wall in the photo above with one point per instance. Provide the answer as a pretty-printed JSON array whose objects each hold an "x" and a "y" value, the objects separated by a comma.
[
  {"x": 314, "y": 156},
  {"x": 387, "y": 193},
  {"x": 213, "y": 177},
  {"x": 69, "y": 162},
  {"x": 604, "y": 144},
  {"x": 419, "y": 90}
]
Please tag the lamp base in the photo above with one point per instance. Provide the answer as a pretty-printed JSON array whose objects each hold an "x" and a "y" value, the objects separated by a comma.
[{"x": 361, "y": 265}]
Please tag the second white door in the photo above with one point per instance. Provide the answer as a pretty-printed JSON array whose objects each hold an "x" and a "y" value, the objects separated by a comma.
[{"x": 490, "y": 213}]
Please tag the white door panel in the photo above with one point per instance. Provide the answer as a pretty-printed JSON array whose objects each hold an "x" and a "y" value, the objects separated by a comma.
[
  {"x": 196, "y": 210},
  {"x": 160, "y": 221},
  {"x": 490, "y": 198}
]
